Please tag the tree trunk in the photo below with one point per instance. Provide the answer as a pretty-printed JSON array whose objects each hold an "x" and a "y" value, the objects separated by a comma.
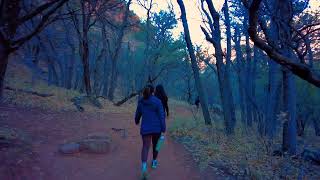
[
  {"x": 256, "y": 56},
  {"x": 113, "y": 79},
  {"x": 195, "y": 68},
  {"x": 62, "y": 71},
  {"x": 81, "y": 86},
  {"x": 52, "y": 73},
  {"x": 248, "y": 80},
  {"x": 100, "y": 66},
  {"x": 35, "y": 64},
  {"x": 290, "y": 107},
  {"x": 241, "y": 80},
  {"x": 70, "y": 67},
  {"x": 222, "y": 70},
  {"x": 106, "y": 71},
  {"x": 230, "y": 109},
  {"x": 285, "y": 14},
  {"x": 106, "y": 78},
  {"x": 271, "y": 100},
  {"x": 272, "y": 89},
  {"x": 147, "y": 42},
  {"x": 85, "y": 62},
  {"x": 71, "y": 59},
  {"x": 229, "y": 116},
  {"x": 301, "y": 124},
  {"x": 85, "y": 47},
  {"x": 98, "y": 73},
  {"x": 78, "y": 77},
  {"x": 316, "y": 125},
  {"x": 285, "y": 137},
  {"x": 241, "y": 98},
  {"x": 4, "y": 56},
  {"x": 116, "y": 54}
]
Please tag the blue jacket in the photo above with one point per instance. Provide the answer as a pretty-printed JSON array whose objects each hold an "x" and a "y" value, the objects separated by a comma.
[{"x": 153, "y": 117}]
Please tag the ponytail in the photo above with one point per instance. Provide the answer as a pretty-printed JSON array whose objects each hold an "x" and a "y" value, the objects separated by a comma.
[{"x": 146, "y": 93}]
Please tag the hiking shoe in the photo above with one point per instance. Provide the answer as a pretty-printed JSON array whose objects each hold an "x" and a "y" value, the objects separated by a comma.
[
  {"x": 144, "y": 174},
  {"x": 154, "y": 164}
]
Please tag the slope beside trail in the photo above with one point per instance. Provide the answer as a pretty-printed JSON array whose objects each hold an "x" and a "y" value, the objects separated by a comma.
[{"x": 50, "y": 129}]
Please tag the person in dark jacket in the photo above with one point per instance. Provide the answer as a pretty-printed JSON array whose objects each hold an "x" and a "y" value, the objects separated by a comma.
[
  {"x": 152, "y": 125},
  {"x": 161, "y": 94}
]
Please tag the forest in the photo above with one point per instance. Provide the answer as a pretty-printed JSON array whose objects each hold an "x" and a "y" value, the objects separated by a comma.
[{"x": 242, "y": 78}]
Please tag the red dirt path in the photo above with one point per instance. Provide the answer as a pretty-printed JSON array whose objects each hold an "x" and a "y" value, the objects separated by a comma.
[{"x": 50, "y": 129}]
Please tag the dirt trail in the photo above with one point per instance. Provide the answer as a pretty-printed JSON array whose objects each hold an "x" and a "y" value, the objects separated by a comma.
[{"x": 50, "y": 129}]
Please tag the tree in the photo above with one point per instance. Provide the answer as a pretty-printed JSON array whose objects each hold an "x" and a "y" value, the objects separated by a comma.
[
  {"x": 12, "y": 19},
  {"x": 101, "y": 73},
  {"x": 115, "y": 55},
  {"x": 147, "y": 5},
  {"x": 299, "y": 69},
  {"x": 278, "y": 46},
  {"x": 158, "y": 53},
  {"x": 223, "y": 70},
  {"x": 195, "y": 68},
  {"x": 245, "y": 62},
  {"x": 88, "y": 11},
  {"x": 240, "y": 68},
  {"x": 70, "y": 64}
]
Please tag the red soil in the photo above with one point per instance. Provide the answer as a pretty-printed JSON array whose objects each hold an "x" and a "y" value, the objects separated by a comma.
[{"x": 50, "y": 129}]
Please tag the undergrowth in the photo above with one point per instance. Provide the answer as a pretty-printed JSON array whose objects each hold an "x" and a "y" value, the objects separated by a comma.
[
  {"x": 19, "y": 77},
  {"x": 244, "y": 154}
]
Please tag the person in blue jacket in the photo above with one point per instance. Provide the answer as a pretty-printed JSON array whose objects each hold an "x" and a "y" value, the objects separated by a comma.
[{"x": 153, "y": 124}]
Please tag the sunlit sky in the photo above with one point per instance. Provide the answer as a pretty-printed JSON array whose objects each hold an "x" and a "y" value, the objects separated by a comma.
[{"x": 193, "y": 15}]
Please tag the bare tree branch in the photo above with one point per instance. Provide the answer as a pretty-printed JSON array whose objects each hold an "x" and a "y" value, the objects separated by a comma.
[
  {"x": 17, "y": 43},
  {"x": 299, "y": 69},
  {"x": 37, "y": 11},
  {"x": 208, "y": 38},
  {"x": 309, "y": 26}
]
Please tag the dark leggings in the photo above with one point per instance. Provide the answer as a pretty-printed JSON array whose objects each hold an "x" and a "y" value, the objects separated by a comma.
[{"x": 146, "y": 139}]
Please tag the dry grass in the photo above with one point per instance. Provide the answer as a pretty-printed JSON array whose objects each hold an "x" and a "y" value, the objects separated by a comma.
[
  {"x": 19, "y": 77},
  {"x": 243, "y": 154}
]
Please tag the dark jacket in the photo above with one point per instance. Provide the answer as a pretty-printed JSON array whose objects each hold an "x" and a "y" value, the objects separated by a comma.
[
  {"x": 164, "y": 101},
  {"x": 153, "y": 117}
]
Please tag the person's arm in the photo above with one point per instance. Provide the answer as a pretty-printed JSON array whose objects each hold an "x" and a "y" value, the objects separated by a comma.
[
  {"x": 138, "y": 114},
  {"x": 162, "y": 117}
]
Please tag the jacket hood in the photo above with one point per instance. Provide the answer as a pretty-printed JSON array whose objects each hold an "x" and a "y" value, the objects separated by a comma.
[{"x": 148, "y": 101}]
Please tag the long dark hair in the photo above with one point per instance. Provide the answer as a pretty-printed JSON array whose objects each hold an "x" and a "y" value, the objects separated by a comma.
[
  {"x": 160, "y": 93},
  {"x": 147, "y": 91}
]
